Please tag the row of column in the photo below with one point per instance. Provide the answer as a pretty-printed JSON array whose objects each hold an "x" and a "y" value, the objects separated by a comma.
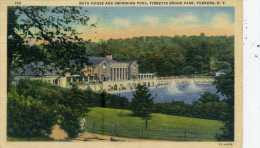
[
  {"x": 144, "y": 76},
  {"x": 56, "y": 82},
  {"x": 77, "y": 79},
  {"x": 118, "y": 74}
]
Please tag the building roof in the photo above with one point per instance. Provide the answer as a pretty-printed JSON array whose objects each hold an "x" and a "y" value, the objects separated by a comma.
[
  {"x": 98, "y": 60},
  {"x": 35, "y": 69},
  {"x": 129, "y": 62}
]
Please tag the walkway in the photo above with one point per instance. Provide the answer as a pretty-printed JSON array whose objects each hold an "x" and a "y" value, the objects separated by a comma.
[{"x": 87, "y": 136}]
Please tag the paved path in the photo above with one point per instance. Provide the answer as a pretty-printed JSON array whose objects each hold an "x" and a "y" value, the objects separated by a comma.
[
  {"x": 87, "y": 136},
  {"x": 60, "y": 134}
]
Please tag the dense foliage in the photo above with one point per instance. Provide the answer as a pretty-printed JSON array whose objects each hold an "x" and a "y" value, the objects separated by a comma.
[
  {"x": 28, "y": 117},
  {"x": 208, "y": 97},
  {"x": 35, "y": 106},
  {"x": 52, "y": 29},
  {"x": 142, "y": 102},
  {"x": 211, "y": 109},
  {"x": 167, "y": 56},
  {"x": 225, "y": 86},
  {"x": 96, "y": 99}
]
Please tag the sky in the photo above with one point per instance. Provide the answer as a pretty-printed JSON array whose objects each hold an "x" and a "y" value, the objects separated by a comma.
[{"x": 128, "y": 22}]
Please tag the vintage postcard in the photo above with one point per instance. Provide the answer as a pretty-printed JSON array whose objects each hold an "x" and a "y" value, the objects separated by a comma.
[{"x": 107, "y": 73}]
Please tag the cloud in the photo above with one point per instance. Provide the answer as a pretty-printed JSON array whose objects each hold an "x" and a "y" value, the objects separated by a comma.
[
  {"x": 121, "y": 22},
  {"x": 93, "y": 20},
  {"x": 184, "y": 19},
  {"x": 151, "y": 19},
  {"x": 221, "y": 20}
]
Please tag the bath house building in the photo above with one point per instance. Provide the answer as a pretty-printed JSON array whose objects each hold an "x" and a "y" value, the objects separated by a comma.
[{"x": 103, "y": 69}]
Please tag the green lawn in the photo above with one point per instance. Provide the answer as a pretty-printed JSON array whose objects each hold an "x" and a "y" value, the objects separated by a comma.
[
  {"x": 29, "y": 139},
  {"x": 130, "y": 126}
]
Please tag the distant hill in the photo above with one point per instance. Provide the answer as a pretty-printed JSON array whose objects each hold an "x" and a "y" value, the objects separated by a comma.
[{"x": 168, "y": 56}]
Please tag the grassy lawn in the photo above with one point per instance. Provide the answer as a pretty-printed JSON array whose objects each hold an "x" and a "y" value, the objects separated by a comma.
[
  {"x": 130, "y": 126},
  {"x": 29, "y": 139}
]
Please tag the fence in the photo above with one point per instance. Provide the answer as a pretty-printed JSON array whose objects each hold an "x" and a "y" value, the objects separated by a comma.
[{"x": 139, "y": 132}]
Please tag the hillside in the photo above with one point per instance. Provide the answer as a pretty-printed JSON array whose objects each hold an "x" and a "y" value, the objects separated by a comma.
[
  {"x": 129, "y": 126},
  {"x": 167, "y": 56}
]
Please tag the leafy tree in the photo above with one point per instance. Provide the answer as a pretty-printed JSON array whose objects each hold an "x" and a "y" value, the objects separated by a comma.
[
  {"x": 58, "y": 44},
  {"x": 205, "y": 53},
  {"x": 167, "y": 56},
  {"x": 52, "y": 28},
  {"x": 15, "y": 44},
  {"x": 208, "y": 97},
  {"x": 225, "y": 86},
  {"x": 28, "y": 116},
  {"x": 142, "y": 102},
  {"x": 188, "y": 70},
  {"x": 70, "y": 122},
  {"x": 35, "y": 106}
]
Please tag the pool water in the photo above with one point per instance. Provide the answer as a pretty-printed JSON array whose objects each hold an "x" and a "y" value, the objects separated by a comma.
[{"x": 183, "y": 92}]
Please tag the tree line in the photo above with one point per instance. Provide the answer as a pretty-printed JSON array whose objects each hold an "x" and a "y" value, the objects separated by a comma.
[
  {"x": 168, "y": 56},
  {"x": 208, "y": 106}
]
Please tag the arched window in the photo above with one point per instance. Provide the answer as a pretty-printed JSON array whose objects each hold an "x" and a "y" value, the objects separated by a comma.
[
  {"x": 134, "y": 68},
  {"x": 104, "y": 67}
]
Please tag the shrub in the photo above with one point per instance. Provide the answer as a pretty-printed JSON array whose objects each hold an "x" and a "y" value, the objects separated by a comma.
[
  {"x": 35, "y": 106},
  {"x": 27, "y": 116},
  {"x": 210, "y": 110},
  {"x": 70, "y": 123},
  {"x": 208, "y": 97}
]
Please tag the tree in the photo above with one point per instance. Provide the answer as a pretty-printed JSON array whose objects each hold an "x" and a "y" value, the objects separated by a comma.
[
  {"x": 142, "y": 102},
  {"x": 225, "y": 86},
  {"x": 167, "y": 56},
  {"x": 57, "y": 45},
  {"x": 58, "y": 42},
  {"x": 189, "y": 70},
  {"x": 103, "y": 99},
  {"x": 208, "y": 97},
  {"x": 35, "y": 106},
  {"x": 15, "y": 44},
  {"x": 205, "y": 53},
  {"x": 28, "y": 116}
]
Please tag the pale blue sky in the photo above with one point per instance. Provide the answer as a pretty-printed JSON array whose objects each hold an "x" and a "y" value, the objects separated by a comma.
[
  {"x": 135, "y": 14},
  {"x": 127, "y": 22}
]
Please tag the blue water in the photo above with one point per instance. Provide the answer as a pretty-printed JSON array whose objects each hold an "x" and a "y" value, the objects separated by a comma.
[{"x": 184, "y": 92}]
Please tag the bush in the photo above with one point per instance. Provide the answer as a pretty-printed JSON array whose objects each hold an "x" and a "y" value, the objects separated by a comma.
[
  {"x": 71, "y": 123},
  {"x": 209, "y": 110},
  {"x": 114, "y": 101},
  {"x": 35, "y": 106},
  {"x": 208, "y": 106},
  {"x": 27, "y": 116},
  {"x": 111, "y": 101},
  {"x": 208, "y": 97}
]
